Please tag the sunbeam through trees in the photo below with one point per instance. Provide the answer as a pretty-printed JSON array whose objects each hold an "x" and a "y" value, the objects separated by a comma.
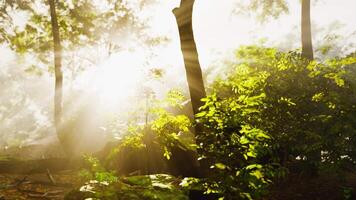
[{"x": 177, "y": 99}]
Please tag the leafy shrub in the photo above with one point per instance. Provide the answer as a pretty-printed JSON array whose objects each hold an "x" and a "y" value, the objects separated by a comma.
[
  {"x": 275, "y": 108},
  {"x": 99, "y": 183},
  {"x": 95, "y": 171},
  {"x": 150, "y": 187},
  {"x": 149, "y": 148}
]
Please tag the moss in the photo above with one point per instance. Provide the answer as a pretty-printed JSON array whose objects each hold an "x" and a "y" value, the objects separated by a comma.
[{"x": 150, "y": 187}]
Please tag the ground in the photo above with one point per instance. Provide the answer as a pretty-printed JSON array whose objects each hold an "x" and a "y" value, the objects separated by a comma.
[
  {"x": 52, "y": 178},
  {"x": 327, "y": 186},
  {"x": 37, "y": 186}
]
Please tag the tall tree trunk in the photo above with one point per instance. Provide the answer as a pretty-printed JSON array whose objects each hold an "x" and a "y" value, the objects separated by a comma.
[
  {"x": 183, "y": 15},
  {"x": 307, "y": 45},
  {"x": 307, "y": 52},
  {"x": 57, "y": 50}
]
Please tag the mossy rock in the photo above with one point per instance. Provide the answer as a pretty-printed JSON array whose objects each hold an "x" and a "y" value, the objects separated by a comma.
[{"x": 150, "y": 187}]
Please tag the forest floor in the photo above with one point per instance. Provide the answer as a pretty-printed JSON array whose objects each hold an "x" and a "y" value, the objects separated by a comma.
[
  {"x": 56, "y": 185},
  {"x": 327, "y": 186},
  {"x": 37, "y": 186},
  {"x": 36, "y": 172},
  {"x": 52, "y": 178}
]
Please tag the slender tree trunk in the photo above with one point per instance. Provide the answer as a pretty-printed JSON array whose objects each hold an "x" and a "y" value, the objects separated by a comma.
[
  {"x": 183, "y": 15},
  {"x": 57, "y": 50},
  {"x": 307, "y": 52},
  {"x": 307, "y": 44}
]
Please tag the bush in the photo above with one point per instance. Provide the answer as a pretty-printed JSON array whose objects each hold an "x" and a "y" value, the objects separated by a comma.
[
  {"x": 276, "y": 108},
  {"x": 163, "y": 144}
]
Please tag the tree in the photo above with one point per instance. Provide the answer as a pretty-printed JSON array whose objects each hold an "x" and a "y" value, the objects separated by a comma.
[
  {"x": 274, "y": 8},
  {"x": 306, "y": 35},
  {"x": 73, "y": 31},
  {"x": 184, "y": 15},
  {"x": 57, "y": 51},
  {"x": 41, "y": 36}
]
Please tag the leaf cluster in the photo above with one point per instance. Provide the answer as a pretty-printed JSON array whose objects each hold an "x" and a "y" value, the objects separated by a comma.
[{"x": 277, "y": 109}]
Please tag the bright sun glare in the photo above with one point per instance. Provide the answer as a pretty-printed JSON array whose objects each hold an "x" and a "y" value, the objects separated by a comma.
[{"x": 116, "y": 78}]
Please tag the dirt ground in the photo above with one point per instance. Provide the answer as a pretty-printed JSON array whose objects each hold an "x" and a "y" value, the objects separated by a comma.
[
  {"x": 37, "y": 186},
  {"x": 324, "y": 187},
  {"x": 40, "y": 186}
]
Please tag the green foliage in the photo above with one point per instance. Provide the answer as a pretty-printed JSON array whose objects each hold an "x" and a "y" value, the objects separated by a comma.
[
  {"x": 133, "y": 141},
  {"x": 275, "y": 107},
  {"x": 82, "y": 23},
  {"x": 96, "y": 172},
  {"x": 167, "y": 128},
  {"x": 233, "y": 148},
  {"x": 263, "y": 9},
  {"x": 150, "y": 187},
  {"x": 76, "y": 27}
]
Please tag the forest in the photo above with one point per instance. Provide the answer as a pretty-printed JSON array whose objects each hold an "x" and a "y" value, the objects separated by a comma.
[{"x": 178, "y": 99}]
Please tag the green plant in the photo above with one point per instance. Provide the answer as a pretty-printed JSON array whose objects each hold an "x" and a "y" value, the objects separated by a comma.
[
  {"x": 94, "y": 171},
  {"x": 277, "y": 109},
  {"x": 150, "y": 187},
  {"x": 166, "y": 128},
  {"x": 232, "y": 150}
]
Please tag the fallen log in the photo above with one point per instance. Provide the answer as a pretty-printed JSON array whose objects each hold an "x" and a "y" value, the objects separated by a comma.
[{"x": 13, "y": 166}]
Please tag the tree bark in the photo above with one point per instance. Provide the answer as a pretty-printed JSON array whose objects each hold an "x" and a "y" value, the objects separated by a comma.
[
  {"x": 57, "y": 51},
  {"x": 184, "y": 15},
  {"x": 307, "y": 52},
  {"x": 184, "y": 18},
  {"x": 307, "y": 45}
]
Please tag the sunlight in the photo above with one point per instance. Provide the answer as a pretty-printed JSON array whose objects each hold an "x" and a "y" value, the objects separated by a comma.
[
  {"x": 177, "y": 99},
  {"x": 116, "y": 78}
]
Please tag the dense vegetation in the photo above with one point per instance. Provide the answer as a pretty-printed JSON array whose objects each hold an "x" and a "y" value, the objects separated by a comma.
[
  {"x": 276, "y": 112},
  {"x": 269, "y": 118},
  {"x": 271, "y": 115}
]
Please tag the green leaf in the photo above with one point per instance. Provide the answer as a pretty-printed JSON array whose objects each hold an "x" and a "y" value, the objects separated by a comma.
[{"x": 220, "y": 166}]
